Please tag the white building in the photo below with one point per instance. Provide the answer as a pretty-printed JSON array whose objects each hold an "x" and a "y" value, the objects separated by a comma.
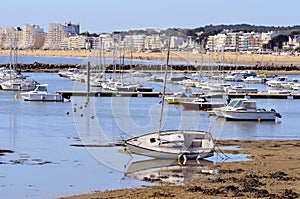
[
  {"x": 33, "y": 37},
  {"x": 58, "y": 34}
]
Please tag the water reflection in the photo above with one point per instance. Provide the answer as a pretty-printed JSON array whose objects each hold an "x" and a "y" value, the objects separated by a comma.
[{"x": 168, "y": 171}]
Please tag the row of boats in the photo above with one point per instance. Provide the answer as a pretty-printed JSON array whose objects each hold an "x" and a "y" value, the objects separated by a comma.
[
  {"x": 189, "y": 144},
  {"x": 177, "y": 144},
  {"x": 30, "y": 90}
]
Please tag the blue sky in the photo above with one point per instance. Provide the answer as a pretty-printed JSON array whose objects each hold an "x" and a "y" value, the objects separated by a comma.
[{"x": 98, "y": 16}]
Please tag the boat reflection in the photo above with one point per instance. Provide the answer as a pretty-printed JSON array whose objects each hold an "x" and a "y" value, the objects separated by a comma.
[{"x": 168, "y": 171}]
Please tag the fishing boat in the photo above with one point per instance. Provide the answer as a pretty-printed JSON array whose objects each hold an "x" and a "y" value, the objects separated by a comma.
[
  {"x": 172, "y": 144},
  {"x": 41, "y": 94},
  {"x": 246, "y": 110}
]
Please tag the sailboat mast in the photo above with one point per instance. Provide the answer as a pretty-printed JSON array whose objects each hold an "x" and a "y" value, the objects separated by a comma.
[
  {"x": 10, "y": 60},
  {"x": 164, "y": 90}
]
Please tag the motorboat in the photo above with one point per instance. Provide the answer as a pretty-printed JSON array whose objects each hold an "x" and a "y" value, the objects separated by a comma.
[
  {"x": 201, "y": 104},
  {"x": 240, "y": 89},
  {"x": 278, "y": 82},
  {"x": 174, "y": 145},
  {"x": 178, "y": 97},
  {"x": 255, "y": 80},
  {"x": 246, "y": 110},
  {"x": 68, "y": 72},
  {"x": 237, "y": 102},
  {"x": 41, "y": 94}
]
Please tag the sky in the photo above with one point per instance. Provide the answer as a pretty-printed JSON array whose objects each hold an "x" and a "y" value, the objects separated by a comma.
[{"x": 104, "y": 16}]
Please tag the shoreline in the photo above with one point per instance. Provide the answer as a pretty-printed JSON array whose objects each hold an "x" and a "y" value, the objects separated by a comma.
[
  {"x": 180, "y": 56},
  {"x": 267, "y": 64},
  {"x": 272, "y": 172}
]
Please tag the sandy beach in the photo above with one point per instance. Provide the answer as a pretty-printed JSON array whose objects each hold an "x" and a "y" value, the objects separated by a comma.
[
  {"x": 272, "y": 172},
  {"x": 226, "y": 58}
]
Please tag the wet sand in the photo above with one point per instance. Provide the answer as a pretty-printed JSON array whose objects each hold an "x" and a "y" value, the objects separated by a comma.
[{"x": 272, "y": 172}]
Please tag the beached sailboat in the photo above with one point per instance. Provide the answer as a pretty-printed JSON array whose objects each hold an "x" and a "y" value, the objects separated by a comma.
[{"x": 173, "y": 144}]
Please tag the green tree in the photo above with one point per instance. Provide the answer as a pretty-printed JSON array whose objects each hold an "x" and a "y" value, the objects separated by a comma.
[{"x": 278, "y": 41}]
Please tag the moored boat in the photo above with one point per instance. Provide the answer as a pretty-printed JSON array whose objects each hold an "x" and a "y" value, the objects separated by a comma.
[
  {"x": 41, "y": 94},
  {"x": 246, "y": 110},
  {"x": 201, "y": 104},
  {"x": 173, "y": 144}
]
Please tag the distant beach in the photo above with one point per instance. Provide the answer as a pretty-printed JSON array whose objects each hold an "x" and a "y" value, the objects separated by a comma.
[{"x": 181, "y": 56}]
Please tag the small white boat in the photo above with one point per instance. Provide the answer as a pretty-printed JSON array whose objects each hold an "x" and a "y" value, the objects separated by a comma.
[
  {"x": 173, "y": 145},
  {"x": 255, "y": 80},
  {"x": 278, "y": 82},
  {"x": 68, "y": 73},
  {"x": 240, "y": 89},
  {"x": 202, "y": 104},
  {"x": 18, "y": 85},
  {"x": 41, "y": 94},
  {"x": 185, "y": 96},
  {"x": 246, "y": 110}
]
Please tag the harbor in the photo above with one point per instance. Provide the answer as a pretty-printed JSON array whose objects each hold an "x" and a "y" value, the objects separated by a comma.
[
  {"x": 91, "y": 124},
  {"x": 37, "y": 132}
]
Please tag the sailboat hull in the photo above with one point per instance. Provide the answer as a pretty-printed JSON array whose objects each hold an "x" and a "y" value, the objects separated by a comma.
[{"x": 173, "y": 145}]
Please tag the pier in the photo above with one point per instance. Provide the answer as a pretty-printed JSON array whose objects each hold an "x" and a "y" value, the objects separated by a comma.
[
  {"x": 264, "y": 96},
  {"x": 68, "y": 94}
]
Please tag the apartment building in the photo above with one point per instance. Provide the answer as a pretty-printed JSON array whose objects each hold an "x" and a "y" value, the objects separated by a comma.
[
  {"x": 238, "y": 41},
  {"x": 58, "y": 35},
  {"x": 153, "y": 42},
  {"x": 232, "y": 41},
  {"x": 33, "y": 37},
  {"x": 10, "y": 37}
]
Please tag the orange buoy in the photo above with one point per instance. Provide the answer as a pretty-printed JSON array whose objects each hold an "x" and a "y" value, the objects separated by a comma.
[{"x": 16, "y": 96}]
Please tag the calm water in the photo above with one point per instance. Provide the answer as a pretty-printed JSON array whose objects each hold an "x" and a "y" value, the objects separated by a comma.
[{"x": 46, "y": 165}]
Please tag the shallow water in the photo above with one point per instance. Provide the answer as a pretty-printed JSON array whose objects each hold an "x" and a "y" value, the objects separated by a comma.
[{"x": 45, "y": 165}]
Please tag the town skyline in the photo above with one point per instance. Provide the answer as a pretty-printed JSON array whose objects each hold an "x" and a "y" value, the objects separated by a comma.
[{"x": 117, "y": 15}]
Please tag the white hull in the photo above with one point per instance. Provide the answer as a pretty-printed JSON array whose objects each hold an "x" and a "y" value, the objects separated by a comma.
[
  {"x": 173, "y": 145},
  {"x": 42, "y": 97},
  {"x": 41, "y": 94},
  {"x": 18, "y": 85},
  {"x": 255, "y": 115}
]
